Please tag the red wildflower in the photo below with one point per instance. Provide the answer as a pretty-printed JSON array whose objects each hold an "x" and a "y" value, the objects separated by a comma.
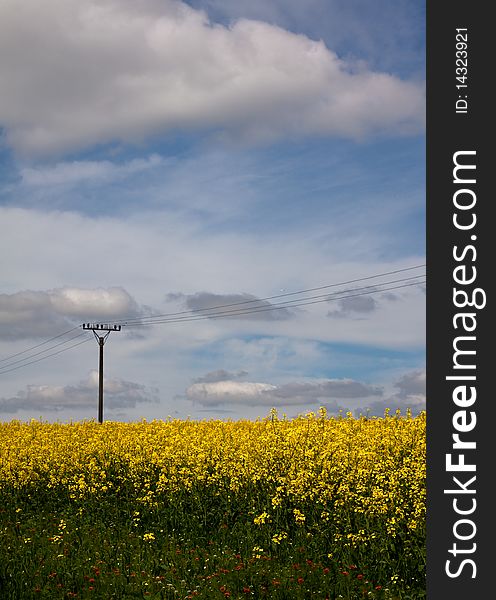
[
  {"x": 246, "y": 590},
  {"x": 300, "y": 580},
  {"x": 325, "y": 570}
]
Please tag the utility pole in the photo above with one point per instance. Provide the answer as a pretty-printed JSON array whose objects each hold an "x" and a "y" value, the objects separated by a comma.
[{"x": 101, "y": 339}]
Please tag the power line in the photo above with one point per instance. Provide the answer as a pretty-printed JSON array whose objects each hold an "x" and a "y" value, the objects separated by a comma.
[
  {"x": 242, "y": 312},
  {"x": 284, "y": 304},
  {"x": 192, "y": 315},
  {"x": 215, "y": 316},
  {"x": 38, "y": 345},
  {"x": 45, "y": 357},
  {"x": 129, "y": 321},
  {"x": 41, "y": 351}
]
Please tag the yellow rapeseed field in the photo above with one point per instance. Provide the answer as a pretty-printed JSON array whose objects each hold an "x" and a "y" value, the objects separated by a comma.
[
  {"x": 345, "y": 491},
  {"x": 376, "y": 466}
]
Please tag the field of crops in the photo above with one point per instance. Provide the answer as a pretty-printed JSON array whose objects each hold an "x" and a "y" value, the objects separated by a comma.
[{"x": 313, "y": 507}]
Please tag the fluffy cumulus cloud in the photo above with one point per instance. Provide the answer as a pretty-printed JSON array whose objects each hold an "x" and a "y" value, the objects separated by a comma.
[
  {"x": 360, "y": 23},
  {"x": 223, "y": 389},
  {"x": 74, "y": 74},
  {"x": 265, "y": 394},
  {"x": 30, "y": 314},
  {"x": 223, "y": 392},
  {"x": 119, "y": 394},
  {"x": 232, "y": 306}
]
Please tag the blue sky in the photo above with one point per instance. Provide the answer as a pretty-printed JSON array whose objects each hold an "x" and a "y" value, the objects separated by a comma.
[{"x": 158, "y": 157}]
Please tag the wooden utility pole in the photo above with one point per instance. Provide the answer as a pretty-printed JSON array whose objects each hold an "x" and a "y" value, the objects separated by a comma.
[{"x": 101, "y": 339}]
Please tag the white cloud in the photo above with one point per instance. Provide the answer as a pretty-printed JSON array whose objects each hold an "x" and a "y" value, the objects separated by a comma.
[
  {"x": 74, "y": 74},
  {"x": 335, "y": 394},
  {"x": 31, "y": 314},
  {"x": 119, "y": 394},
  {"x": 156, "y": 253},
  {"x": 360, "y": 28},
  {"x": 288, "y": 394},
  {"x": 222, "y": 392},
  {"x": 111, "y": 303}
]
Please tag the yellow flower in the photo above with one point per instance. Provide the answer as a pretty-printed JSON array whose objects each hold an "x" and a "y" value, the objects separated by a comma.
[
  {"x": 299, "y": 516},
  {"x": 261, "y": 519},
  {"x": 279, "y": 537},
  {"x": 315, "y": 466}
]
